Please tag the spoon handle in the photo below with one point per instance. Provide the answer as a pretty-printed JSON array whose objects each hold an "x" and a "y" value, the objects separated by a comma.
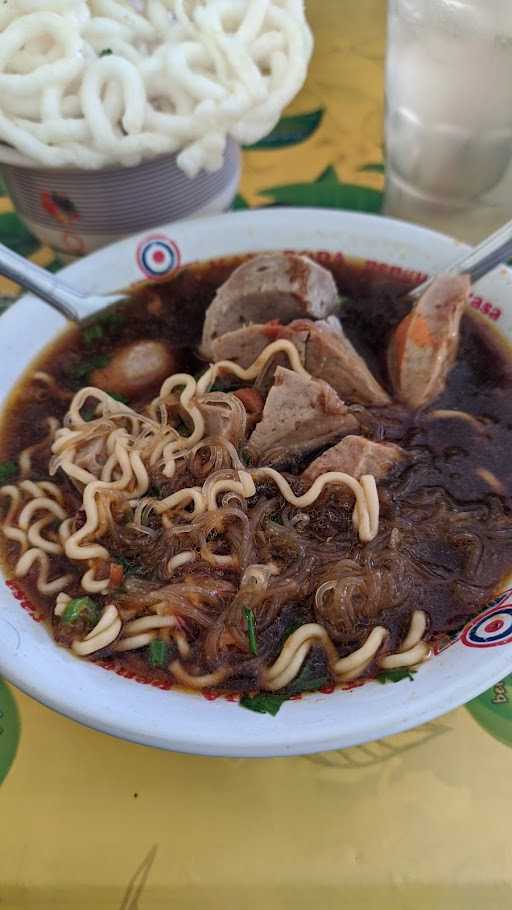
[
  {"x": 492, "y": 251},
  {"x": 46, "y": 285},
  {"x": 69, "y": 303}
]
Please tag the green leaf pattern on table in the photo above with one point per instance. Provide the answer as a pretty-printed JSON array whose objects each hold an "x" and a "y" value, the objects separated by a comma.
[
  {"x": 328, "y": 191},
  {"x": 239, "y": 204},
  {"x": 15, "y": 235},
  {"x": 372, "y": 169},
  {"x": 291, "y": 130},
  {"x": 493, "y": 711},
  {"x": 9, "y": 730}
]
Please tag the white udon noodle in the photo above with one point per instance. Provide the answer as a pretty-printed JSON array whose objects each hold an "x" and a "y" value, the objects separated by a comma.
[
  {"x": 87, "y": 84},
  {"x": 109, "y": 458}
]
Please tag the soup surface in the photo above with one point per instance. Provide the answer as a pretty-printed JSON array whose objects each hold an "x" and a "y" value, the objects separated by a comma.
[{"x": 176, "y": 522}]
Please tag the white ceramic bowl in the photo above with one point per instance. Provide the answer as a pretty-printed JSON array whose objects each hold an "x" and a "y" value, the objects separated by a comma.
[
  {"x": 76, "y": 212},
  {"x": 184, "y": 722}
]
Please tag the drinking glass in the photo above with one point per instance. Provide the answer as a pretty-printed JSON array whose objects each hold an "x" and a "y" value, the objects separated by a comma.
[{"x": 449, "y": 114}]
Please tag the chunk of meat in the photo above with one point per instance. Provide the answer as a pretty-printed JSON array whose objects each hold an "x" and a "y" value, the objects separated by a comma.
[
  {"x": 323, "y": 348},
  {"x": 253, "y": 403},
  {"x": 332, "y": 323},
  {"x": 356, "y": 456},
  {"x": 424, "y": 346},
  {"x": 330, "y": 356},
  {"x": 285, "y": 286},
  {"x": 135, "y": 367},
  {"x": 300, "y": 415},
  {"x": 244, "y": 346},
  {"x": 224, "y": 415}
]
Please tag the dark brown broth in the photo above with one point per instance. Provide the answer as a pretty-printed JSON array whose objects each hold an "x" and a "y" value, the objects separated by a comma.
[{"x": 447, "y": 454}]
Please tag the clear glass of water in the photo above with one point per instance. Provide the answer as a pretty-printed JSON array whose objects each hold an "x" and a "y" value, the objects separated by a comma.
[{"x": 449, "y": 114}]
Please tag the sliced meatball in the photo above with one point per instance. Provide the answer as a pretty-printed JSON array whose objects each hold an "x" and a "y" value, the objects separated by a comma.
[
  {"x": 332, "y": 323},
  {"x": 331, "y": 357},
  {"x": 244, "y": 346},
  {"x": 424, "y": 346},
  {"x": 135, "y": 367},
  {"x": 253, "y": 403},
  {"x": 300, "y": 415},
  {"x": 323, "y": 348},
  {"x": 356, "y": 456},
  {"x": 282, "y": 286},
  {"x": 328, "y": 354}
]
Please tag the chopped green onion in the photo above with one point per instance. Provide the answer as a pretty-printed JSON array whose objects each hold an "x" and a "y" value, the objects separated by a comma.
[
  {"x": 250, "y": 625},
  {"x": 311, "y": 678},
  {"x": 158, "y": 653},
  {"x": 308, "y": 682},
  {"x": 264, "y": 703},
  {"x": 107, "y": 52},
  {"x": 92, "y": 333},
  {"x": 7, "y": 470},
  {"x": 81, "y": 608},
  {"x": 182, "y": 429},
  {"x": 89, "y": 413},
  {"x": 291, "y": 629},
  {"x": 112, "y": 320},
  {"x": 105, "y": 322},
  {"x": 122, "y": 398},
  {"x": 129, "y": 566},
  {"x": 395, "y": 676},
  {"x": 82, "y": 369}
]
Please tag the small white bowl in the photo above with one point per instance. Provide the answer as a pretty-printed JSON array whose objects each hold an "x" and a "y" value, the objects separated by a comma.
[
  {"x": 76, "y": 212},
  {"x": 477, "y": 659}
]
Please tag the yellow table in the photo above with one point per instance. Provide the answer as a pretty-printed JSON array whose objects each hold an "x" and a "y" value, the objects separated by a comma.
[{"x": 416, "y": 822}]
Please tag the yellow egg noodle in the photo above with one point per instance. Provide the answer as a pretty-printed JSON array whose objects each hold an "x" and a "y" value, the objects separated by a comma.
[{"x": 108, "y": 456}]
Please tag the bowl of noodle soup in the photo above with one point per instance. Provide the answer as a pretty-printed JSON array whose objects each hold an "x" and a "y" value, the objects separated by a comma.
[{"x": 445, "y": 665}]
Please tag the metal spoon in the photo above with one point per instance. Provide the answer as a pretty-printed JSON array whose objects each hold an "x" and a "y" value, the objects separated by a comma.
[
  {"x": 70, "y": 303},
  {"x": 77, "y": 307},
  {"x": 491, "y": 252}
]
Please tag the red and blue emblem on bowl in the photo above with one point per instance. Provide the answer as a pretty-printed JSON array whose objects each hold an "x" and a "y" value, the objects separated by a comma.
[
  {"x": 492, "y": 628},
  {"x": 157, "y": 256}
]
